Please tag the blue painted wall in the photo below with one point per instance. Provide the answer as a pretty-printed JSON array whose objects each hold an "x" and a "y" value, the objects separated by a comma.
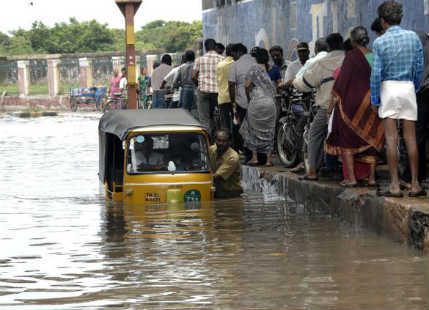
[{"x": 272, "y": 22}]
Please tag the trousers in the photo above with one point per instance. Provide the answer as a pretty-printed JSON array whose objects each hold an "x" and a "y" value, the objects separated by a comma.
[{"x": 318, "y": 133}]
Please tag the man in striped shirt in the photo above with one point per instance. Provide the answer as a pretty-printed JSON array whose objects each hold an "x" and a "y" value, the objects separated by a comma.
[{"x": 205, "y": 72}]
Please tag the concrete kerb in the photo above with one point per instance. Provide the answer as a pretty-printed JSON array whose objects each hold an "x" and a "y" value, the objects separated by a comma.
[
  {"x": 38, "y": 103},
  {"x": 404, "y": 220}
]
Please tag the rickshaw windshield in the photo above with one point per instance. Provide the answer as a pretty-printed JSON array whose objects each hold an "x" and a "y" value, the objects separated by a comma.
[{"x": 167, "y": 153}]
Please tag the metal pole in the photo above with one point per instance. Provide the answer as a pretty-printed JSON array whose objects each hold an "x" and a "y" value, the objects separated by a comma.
[
  {"x": 130, "y": 55},
  {"x": 129, "y": 9}
]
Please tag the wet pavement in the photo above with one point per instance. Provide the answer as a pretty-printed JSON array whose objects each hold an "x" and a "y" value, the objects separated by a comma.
[{"x": 64, "y": 247}]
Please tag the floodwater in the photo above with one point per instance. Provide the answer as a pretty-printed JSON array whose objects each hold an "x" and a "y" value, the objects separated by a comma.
[{"x": 63, "y": 247}]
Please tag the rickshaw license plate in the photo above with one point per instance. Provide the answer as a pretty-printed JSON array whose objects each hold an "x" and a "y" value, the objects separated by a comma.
[{"x": 152, "y": 197}]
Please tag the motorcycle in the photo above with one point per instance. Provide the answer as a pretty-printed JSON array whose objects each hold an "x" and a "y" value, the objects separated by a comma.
[{"x": 296, "y": 113}]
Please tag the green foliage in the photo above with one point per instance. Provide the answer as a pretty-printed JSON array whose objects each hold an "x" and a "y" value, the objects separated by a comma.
[
  {"x": 172, "y": 36},
  {"x": 76, "y": 37},
  {"x": 70, "y": 38},
  {"x": 20, "y": 45},
  {"x": 4, "y": 40}
]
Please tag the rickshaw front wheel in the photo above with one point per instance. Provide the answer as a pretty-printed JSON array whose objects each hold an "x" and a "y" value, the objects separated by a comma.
[{"x": 73, "y": 104}]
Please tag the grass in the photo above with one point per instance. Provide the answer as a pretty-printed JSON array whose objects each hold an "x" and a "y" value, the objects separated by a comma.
[
  {"x": 65, "y": 88},
  {"x": 11, "y": 89},
  {"x": 39, "y": 89}
]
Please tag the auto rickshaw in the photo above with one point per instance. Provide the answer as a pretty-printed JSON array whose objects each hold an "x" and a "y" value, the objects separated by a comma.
[{"x": 154, "y": 156}]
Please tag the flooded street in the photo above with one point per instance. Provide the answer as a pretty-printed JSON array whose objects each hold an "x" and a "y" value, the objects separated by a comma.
[{"x": 64, "y": 247}]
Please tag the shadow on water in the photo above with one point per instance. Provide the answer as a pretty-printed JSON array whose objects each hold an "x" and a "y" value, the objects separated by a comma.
[{"x": 64, "y": 247}]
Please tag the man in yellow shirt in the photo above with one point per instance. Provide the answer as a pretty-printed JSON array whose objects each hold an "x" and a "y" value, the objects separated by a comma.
[
  {"x": 223, "y": 99},
  {"x": 225, "y": 163}
]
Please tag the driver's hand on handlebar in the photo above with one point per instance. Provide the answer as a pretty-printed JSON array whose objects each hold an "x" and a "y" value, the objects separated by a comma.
[{"x": 285, "y": 84}]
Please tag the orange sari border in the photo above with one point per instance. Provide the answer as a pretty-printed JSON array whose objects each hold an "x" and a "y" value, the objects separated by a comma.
[{"x": 377, "y": 141}]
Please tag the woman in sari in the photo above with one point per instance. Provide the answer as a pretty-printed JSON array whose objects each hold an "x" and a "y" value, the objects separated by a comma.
[
  {"x": 357, "y": 133},
  {"x": 258, "y": 127}
]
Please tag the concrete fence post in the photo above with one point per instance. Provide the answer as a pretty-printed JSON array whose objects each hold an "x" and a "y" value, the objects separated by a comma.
[
  {"x": 85, "y": 72},
  {"x": 150, "y": 60},
  {"x": 138, "y": 67},
  {"x": 53, "y": 77},
  {"x": 24, "y": 77},
  {"x": 116, "y": 62}
]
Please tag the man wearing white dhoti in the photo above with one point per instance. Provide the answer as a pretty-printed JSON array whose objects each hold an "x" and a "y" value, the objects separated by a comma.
[{"x": 395, "y": 78}]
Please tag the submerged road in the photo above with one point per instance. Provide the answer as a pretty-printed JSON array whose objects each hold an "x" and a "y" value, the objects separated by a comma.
[{"x": 63, "y": 247}]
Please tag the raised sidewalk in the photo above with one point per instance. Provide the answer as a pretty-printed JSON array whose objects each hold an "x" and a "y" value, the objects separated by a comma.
[{"x": 402, "y": 219}]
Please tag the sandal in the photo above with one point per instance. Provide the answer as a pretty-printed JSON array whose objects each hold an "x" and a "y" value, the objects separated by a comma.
[
  {"x": 298, "y": 169},
  {"x": 388, "y": 193},
  {"x": 370, "y": 185},
  {"x": 404, "y": 185},
  {"x": 252, "y": 164},
  {"x": 307, "y": 178},
  {"x": 421, "y": 193},
  {"x": 348, "y": 184},
  {"x": 269, "y": 165}
]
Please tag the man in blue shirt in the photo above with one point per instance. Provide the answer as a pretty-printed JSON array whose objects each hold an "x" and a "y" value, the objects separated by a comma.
[{"x": 395, "y": 79}]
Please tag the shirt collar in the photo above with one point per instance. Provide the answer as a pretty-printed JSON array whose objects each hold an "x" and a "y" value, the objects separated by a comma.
[
  {"x": 246, "y": 56},
  {"x": 393, "y": 28},
  {"x": 336, "y": 53}
]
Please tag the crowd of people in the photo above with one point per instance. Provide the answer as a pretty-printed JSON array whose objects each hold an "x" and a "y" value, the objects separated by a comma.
[{"x": 363, "y": 97}]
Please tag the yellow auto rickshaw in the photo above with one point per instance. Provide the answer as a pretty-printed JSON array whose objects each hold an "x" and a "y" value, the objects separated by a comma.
[{"x": 154, "y": 156}]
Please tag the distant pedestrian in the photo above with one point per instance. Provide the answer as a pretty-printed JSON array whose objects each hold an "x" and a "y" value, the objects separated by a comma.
[
  {"x": 320, "y": 51},
  {"x": 276, "y": 53},
  {"x": 173, "y": 93},
  {"x": 114, "y": 84},
  {"x": 143, "y": 81},
  {"x": 377, "y": 27},
  {"x": 258, "y": 128},
  {"x": 320, "y": 76},
  {"x": 184, "y": 80},
  {"x": 237, "y": 89},
  {"x": 158, "y": 75},
  {"x": 396, "y": 75},
  {"x": 205, "y": 72},
  {"x": 220, "y": 48},
  {"x": 357, "y": 132},
  {"x": 123, "y": 82},
  {"x": 224, "y": 99},
  {"x": 422, "y": 124},
  {"x": 303, "y": 52}
]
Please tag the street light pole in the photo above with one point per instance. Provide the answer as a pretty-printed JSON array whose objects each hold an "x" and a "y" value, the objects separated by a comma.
[{"x": 129, "y": 9}]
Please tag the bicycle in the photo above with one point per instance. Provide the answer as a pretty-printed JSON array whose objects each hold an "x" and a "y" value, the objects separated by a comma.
[
  {"x": 93, "y": 95},
  {"x": 117, "y": 102}
]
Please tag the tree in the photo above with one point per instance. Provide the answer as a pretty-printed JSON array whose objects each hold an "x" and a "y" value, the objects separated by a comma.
[
  {"x": 172, "y": 36},
  {"x": 91, "y": 36},
  {"x": 4, "y": 40},
  {"x": 20, "y": 45}
]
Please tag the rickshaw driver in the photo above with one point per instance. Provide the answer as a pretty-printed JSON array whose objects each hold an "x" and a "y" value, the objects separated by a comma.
[
  {"x": 225, "y": 164},
  {"x": 146, "y": 158}
]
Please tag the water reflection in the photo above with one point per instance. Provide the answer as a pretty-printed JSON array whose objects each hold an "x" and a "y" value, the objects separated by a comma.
[{"x": 64, "y": 247}]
